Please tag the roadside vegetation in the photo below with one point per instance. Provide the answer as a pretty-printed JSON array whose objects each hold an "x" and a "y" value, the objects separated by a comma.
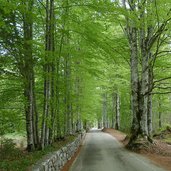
[{"x": 14, "y": 158}]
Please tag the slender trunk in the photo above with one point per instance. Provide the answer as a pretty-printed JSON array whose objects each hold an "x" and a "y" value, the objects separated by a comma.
[
  {"x": 104, "y": 110},
  {"x": 99, "y": 123},
  {"x": 149, "y": 113},
  {"x": 67, "y": 96},
  {"x": 49, "y": 69},
  {"x": 117, "y": 125},
  {"x": 52, "y": 105},
  {"x": 29, "y": 119},
  {"x": 72, "y": 121},
  {"x": 149, "y": 116},
  {"x": 160, "y": 114},
  {"x": 29, "y": 80},
  {"x": 113, "y": 110},
  {"x": 53, "y": 68},
  {"x": 144, "y": 87},
  {"x": 58, "y": 125},
  {"x": 78, "y": 112}
]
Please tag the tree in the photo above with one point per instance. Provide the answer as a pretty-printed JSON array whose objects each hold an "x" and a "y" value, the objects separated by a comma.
[
  {"x": 49, "y": 71},
  {"x": 142, "y": 37},
  {"x": 27, "y": 71}
]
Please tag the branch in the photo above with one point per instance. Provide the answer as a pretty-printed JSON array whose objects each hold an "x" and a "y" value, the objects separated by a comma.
[
  {"x": 70, "y": 6},
  {"x": 158, "y": 33},
  {"x": 160, "y": 42},
  {"x": 165, "y": 51},
  {"x": 42, "y": 4},
  {"x": 11, "y": 108},
  {"x": 164, "y": 88},
  {"x": 7, "y": 72},
  {"x": 157, "y": 13},
  {"x": 168, "y": 92},
  {"x": 161, "y": 80},
  {"x": 132, "y": 7}
]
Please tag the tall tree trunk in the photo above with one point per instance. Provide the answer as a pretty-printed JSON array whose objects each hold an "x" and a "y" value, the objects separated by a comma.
[
  {"x": 135, "y": 87},
  {"x": 48, "y": 75},
  {"x": 53, "y": 104},
  {"x": 29, "y": 80},
  {"x": 132, "y": 34},
  {"x": 140, "y": 49},
  {"x": 149, "y": 112},
  {"x": 53, "y": 75},
  {"x": 67, "y": 70},
  {"x": 117, "y": 125},
  {"x": 113, "y": 110},
  {"x": 68, "y": 123},
  {"x": 104, "y": 110},
  {"x": 58, "y": 124},
  {"x": 160, "y": 114},
  {"x": 149, "y": 116},
  {"x": 147, "y": 74},
  {"x": 99, "y": 124},
  {"x": 143, "y": 105},
  {"x": 78, "y": 109}
]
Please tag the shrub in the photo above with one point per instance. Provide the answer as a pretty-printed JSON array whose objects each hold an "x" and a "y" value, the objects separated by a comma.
[{"x": 8, "y": 150}]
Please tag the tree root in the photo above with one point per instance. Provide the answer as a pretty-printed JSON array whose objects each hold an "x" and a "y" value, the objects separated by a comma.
[{"x": 140, "y": 144}]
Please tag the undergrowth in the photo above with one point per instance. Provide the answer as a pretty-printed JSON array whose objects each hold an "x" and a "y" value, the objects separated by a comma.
[{"x": 14, "y": 159}]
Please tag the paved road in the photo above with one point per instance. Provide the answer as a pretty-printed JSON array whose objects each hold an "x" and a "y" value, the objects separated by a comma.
[{"x": 101, "y": 152}]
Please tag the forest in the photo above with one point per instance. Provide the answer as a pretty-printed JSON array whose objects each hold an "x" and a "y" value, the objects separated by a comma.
[{"x": 68, "y": 65}]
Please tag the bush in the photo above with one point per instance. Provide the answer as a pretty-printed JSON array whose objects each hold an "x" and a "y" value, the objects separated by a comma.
[{"x": 8, "y": 150}]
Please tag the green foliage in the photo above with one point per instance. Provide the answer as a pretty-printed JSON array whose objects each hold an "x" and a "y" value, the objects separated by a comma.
[
  {"x": 8, "y": 150},
  {"x": 11, "y": 157},
  {"x": 90, "y": 37}
]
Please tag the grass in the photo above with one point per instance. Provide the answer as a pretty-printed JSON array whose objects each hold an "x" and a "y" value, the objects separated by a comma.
[
  {"x": 20, "y": 160},
  {"x": 167, "y": 139},
  {"x": 164, "y": 134}
]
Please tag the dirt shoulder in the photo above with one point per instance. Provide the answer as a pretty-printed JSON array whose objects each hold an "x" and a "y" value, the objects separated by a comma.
[{"x": 159, "y": 152}]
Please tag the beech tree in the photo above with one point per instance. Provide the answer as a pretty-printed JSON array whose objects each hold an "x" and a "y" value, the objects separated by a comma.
[
  {"x": 143, "y": 37},
  {"x": 26, "y": 66}
]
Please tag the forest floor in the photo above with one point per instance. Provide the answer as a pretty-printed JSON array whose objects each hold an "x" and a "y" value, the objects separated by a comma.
[{"x": 159, "y": 152}]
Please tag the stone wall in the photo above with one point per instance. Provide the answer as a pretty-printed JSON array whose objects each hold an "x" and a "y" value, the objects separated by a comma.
[{"x": 56, "y": 160}]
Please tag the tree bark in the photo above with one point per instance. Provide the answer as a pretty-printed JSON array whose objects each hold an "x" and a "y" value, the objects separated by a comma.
[
  {"x": 160, "y": 114},
  {"x": 149, "y": 112},
  {"x": 143, "y": 105},
  {"x": 140, "y": 47},
  {"x": 46, "y": 132},
  {"x": 113, "y": 110},
  {"x": 117, "y": 125},
  {"x": 29, "y": 80},
  {"x": 135, "y": 87},
  {"x": 104, "y": 110}
]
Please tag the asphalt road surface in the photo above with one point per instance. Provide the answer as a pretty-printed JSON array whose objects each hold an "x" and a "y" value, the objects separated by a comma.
[{"x": 102, "y": 152}]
